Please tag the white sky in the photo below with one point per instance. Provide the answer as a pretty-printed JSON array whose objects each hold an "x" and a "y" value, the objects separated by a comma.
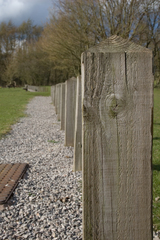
[{"x": 21, "y": 10}]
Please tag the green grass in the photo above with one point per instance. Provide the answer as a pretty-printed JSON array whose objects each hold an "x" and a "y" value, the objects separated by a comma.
[
  {"x": 156, "y": 160},
  {"x": 53, "y": 141},
  {"x": 12, "y": 105}
]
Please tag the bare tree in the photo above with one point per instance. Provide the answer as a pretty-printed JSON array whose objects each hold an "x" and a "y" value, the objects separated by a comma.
[{"x": 80, "y": 24}]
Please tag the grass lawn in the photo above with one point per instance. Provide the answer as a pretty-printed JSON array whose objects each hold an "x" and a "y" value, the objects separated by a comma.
[
  {"x": 12, "y": 105},
  {"x": 156, "y": 160}
]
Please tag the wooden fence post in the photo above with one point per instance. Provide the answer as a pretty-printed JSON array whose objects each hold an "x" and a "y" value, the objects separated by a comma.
[
  {"x": 58, "y": 100},
  {"x": 70, "y": 111},
  {"x": 117, "y": 96},
  {"x": 54, "y": 96},
  {"x": 53, "y": 91},
  {"x": 77, "y": 161},
  {"x": 63, "y": 106}
]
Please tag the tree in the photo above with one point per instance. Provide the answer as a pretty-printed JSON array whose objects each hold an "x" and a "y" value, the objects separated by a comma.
[
  {"x": 53, "y": 53},
  {"x": 150, "y": 38},
  {"x": 17, "y": 51},
  {"x": 80, "y": 24},
  {"x": 7, "y": 46}
]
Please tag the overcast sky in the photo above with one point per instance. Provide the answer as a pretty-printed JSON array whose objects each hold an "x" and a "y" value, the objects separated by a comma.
[{"x": 21, "y": 10}]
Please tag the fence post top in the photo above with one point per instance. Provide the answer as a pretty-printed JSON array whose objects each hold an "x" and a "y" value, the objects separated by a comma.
[
  {"x": 72, "y": 79},
  {"x": 117, "y": 44}
]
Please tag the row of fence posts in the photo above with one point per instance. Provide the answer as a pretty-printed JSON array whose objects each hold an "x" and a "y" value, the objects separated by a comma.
[
  {"x": 107, "y": 117},
  {"x": 66, "y": 98}
]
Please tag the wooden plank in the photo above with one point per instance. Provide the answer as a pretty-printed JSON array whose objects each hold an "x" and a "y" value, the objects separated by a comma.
[
  {"x": 117, "y": 89},
  {"x": 4, "y": 171},
  {"x": 9, "y": 180},
  {"x": 2, "y": 166}
]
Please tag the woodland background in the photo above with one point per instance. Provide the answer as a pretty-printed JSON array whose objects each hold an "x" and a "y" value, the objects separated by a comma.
[{"x": 49, "y": 54}]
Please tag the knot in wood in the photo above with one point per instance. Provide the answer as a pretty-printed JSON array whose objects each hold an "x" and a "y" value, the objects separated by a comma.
[{"x": 115, "y": 104}]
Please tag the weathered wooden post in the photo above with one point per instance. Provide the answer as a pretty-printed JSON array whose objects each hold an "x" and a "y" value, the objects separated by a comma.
[
  {"x": 59, "y": 102},
  {"x": 53, "y": 94},
  {"x": 63, "y": 106},
  {"x": 70, "y": 102},
  {"x": 117, "y": 92},
  {"x": 54, "y": 97},
  {"x": 58, "y": 97},
  {"x": 77, "y": 161}
]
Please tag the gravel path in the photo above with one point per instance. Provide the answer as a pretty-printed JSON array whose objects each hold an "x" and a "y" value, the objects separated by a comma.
[{"x": 47, "y": 202}]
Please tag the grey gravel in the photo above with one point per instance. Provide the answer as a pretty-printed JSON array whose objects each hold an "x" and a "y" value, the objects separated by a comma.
[{"x": 47, "y": 201}]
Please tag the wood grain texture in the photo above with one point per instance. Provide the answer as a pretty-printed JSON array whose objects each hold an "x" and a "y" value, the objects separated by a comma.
[
  {"x": 117, "y": 90},
  {"x": 56, "y": 98},
  {"x": 53, "y": 88},
  {"x": 58, "y": 101},
  {"x": 54, "y": 94},
  {"x": 62, "y": 106},
  {"x": 77, "y": 160},
  {"x": 70, "y": 106}
]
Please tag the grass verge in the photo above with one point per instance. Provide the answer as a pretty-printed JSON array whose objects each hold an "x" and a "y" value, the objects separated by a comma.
[{"x": 12, "y": 105}]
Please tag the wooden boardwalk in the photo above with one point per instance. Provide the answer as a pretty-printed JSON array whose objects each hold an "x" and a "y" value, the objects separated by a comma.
[{"x": 9, "y": 178}]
